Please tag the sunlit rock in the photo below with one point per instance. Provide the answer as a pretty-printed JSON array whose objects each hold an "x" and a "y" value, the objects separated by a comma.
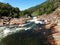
[
  {"x": 17, "y": 21},
  {"x": 1, "y": 24}
]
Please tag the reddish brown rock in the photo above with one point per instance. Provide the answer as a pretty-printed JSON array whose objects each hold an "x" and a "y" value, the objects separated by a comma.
[
  {"x": 51, "y": 40},
  {"x": 1, "y": 22},
  {"x": 54, "y": 38},
  {"x": 17, "y": 21}
]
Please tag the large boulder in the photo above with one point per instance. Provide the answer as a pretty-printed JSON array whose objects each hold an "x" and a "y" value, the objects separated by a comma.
[
  {"x": 17, "y": 21},
  {"x": 1, "y": 22},
  {"x": 54, "y": 38}
]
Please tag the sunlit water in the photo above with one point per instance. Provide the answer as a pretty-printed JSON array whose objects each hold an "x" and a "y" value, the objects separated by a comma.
[
  {"x": 27, "y": 31},
  {"x": 25, "y": 34},
  {"x": 7, "y": 30}
]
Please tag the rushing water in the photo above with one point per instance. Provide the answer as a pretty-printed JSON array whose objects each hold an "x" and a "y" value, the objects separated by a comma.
[
  {"x": 29, "y": 34},
  {"x": 6, "y": 30}
]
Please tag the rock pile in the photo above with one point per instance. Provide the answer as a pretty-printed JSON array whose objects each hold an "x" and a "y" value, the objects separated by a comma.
[{"x": 12, "y": 21}]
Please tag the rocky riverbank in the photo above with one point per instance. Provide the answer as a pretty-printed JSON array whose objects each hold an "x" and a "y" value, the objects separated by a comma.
[
  {"x": 45, "y": 24},
  {"x": 12, "y": 21}
]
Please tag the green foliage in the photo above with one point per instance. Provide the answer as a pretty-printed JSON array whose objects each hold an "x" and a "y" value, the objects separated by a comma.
[
  {"x": 8, "y": 10},
  {"x": 36, "y": 13},
  {"x": 45, "y": 8}
]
